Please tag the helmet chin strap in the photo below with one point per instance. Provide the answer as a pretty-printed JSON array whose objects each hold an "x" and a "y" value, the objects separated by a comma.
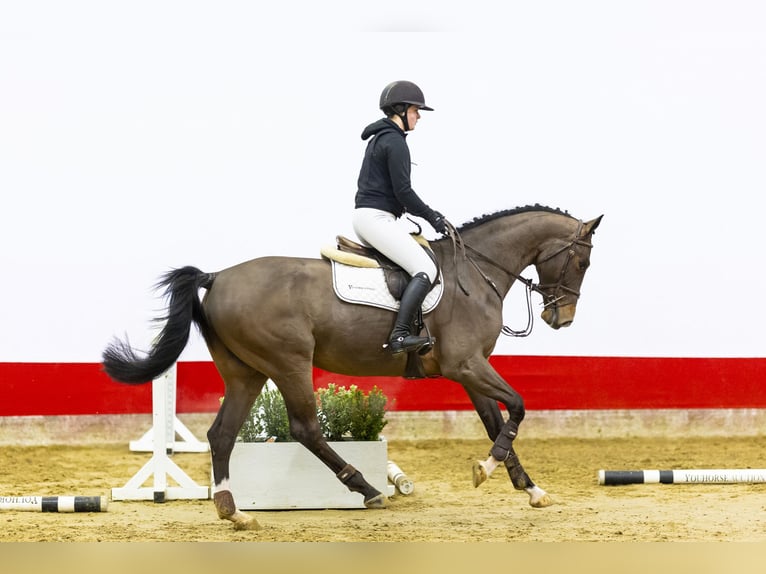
[
  {"x": 405, "y": 121},
  {"x": 403, "y": 116}
]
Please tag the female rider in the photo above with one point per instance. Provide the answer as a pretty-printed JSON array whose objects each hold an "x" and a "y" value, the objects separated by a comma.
[{"x": 385, "y": 193}]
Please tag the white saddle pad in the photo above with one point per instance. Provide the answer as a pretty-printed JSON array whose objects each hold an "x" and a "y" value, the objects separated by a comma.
[{"x": 367, "y": 286}]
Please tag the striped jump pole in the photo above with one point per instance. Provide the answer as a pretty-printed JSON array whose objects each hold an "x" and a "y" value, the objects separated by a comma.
[
  {"x": 55, "y": 503},
  {"x": 688, "y": 476}
]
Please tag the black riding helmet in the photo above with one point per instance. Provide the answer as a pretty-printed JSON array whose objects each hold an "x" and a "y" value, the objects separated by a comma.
[{"x": 398, "y": 96}]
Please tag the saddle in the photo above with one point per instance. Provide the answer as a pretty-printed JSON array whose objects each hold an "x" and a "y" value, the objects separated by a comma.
[{"x": 349, "y": 252}]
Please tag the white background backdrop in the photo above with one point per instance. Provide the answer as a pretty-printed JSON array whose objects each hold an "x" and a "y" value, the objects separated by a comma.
[{"x": 140, "y": 136}]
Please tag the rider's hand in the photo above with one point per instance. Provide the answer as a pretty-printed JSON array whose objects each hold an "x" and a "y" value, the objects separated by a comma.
[{"x": 438, "y": 222}]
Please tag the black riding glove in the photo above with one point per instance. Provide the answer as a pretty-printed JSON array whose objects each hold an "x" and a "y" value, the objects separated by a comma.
[{"x": 438, "y": 222}]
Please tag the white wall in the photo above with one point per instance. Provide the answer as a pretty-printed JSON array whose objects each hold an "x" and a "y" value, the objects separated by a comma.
[{"x": 139, "y": 136}]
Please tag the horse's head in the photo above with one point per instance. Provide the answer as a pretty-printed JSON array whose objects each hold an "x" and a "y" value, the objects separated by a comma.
[{"x": 561, "y": 267}]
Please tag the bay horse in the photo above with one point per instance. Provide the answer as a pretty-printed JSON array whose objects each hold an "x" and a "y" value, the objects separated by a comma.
[{"x": 276, "y": 317}]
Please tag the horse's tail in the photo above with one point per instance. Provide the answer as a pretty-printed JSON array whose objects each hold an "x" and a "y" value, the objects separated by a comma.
[{"x": 120, "y": 360}]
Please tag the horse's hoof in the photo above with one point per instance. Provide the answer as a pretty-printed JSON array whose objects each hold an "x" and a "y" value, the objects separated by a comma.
[
  {"x": 379, "y": 501},
  {"x": 248, "y": 525},
  {"x": 244, "y": 522},
  {"x": 227, "y": 510},
  {"x": 479, "y": 473},
  {"x": 538, "y": 498}
]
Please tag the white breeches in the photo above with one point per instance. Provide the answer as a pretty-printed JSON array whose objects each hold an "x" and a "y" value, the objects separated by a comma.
[{"x": 381, "y": 230}]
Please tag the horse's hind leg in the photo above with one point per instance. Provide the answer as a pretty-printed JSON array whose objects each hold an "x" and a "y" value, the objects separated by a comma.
[
  {"x": 300, "y": 401},
  {"x": 243, "y": 386}
]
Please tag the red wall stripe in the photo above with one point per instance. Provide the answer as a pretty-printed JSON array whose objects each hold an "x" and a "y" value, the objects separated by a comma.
[{"x": 545, "y": 383}]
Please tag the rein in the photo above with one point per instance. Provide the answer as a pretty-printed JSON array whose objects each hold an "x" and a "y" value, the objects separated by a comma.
[{"x": 549, "y": 299}]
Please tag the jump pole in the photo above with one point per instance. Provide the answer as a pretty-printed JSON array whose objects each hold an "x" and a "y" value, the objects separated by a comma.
[
  {"x": 400, "y": 480},
  {"x": 55, "y": 503},
  {"x": 173, "y": 426},
  {"x": 160, "y": 466},
  {"x": 687, "y": 476}
]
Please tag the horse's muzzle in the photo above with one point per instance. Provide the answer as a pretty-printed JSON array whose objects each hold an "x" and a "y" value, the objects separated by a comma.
[{"x": 559, "y": 316}]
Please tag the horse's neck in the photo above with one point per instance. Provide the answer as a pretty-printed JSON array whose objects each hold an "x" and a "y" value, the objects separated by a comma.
[{"x": 514, "y": 242}]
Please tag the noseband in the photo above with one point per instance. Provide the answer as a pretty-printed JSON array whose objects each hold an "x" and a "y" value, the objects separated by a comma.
[
  {"x": 549, "y": 291},
  {"x": 554, "y": 297}
]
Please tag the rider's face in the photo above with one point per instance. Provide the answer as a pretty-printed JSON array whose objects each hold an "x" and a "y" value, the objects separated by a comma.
[{"x": 413, "y": 115}]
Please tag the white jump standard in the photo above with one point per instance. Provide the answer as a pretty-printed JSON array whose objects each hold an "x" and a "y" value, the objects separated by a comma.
[
  {"x": 688, "y": 476},
  {"x": 160, "y": 467},
  {"x": 173, "y": 425},
  {"x": 55, "y": 503}
]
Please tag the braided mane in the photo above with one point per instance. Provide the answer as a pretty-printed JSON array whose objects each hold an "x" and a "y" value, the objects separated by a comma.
[{"x": 475, "y": 222}]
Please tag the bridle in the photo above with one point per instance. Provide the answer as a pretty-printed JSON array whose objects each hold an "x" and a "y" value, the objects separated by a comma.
[{"x": 551, "y": 292}]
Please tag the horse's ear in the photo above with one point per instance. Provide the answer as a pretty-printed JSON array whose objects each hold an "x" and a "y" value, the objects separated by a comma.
[{"x": 591, "y": 225}]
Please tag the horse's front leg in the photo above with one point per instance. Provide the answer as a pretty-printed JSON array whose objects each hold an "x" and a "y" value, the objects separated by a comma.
[
  {"x": 502, "y": 451},
  {"x": 502, "y": 433}
]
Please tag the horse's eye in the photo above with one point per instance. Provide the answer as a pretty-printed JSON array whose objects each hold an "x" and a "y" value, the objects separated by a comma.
[{"x": 583, "y": 264}]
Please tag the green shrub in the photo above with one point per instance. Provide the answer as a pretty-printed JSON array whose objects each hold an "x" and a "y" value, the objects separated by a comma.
[
  {"x": 333, "y": 411},
  {"x": 267, "y": 419},
  {"x": 368, "y": 413},
  {"x": 343, "y": 414}
]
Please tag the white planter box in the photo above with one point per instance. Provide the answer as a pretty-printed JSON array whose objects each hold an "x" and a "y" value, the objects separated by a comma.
[{"x": 285, "y": 475}]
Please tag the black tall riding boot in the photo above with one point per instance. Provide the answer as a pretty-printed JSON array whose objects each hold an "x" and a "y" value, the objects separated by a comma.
[{"x": 401, "y": 339}]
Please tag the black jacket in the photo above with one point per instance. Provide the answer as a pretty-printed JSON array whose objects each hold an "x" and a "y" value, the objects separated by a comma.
[{"x": 384, "y": 179}]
